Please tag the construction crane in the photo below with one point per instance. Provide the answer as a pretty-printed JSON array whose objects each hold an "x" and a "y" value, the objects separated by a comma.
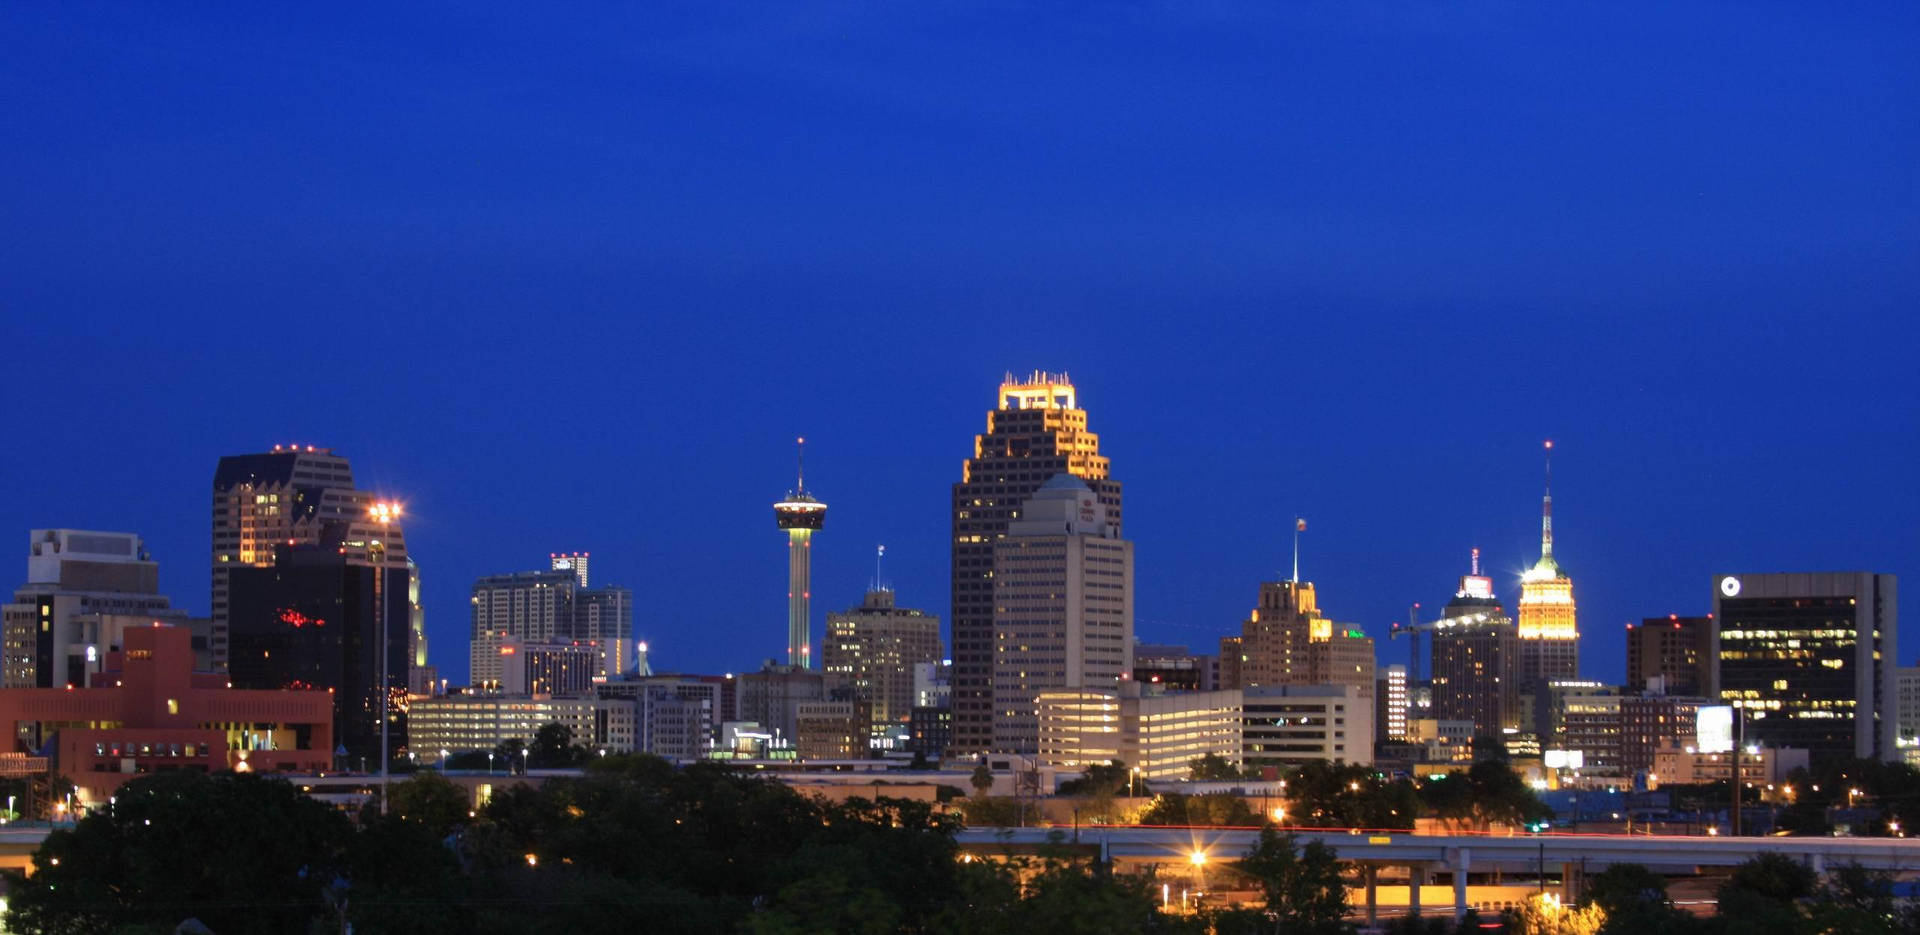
[{"x": 1414, "y": 631}]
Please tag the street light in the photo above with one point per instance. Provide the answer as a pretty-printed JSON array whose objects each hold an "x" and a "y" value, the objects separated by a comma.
[
  {"x": 1130, "y": 775},
  {"x": 489, "y": 762},
  {"x": 383, "y": 512}
]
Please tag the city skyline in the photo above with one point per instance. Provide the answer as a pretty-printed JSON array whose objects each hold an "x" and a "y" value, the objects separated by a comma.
[
  {"x": 559, "y": 285},
  {"x": 1610, "y": 653}
]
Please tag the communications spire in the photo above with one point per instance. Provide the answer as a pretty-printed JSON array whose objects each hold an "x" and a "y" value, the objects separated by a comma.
[
  {"x": 1546, "y": 512},
  {"x": 1299, "y": 526}
]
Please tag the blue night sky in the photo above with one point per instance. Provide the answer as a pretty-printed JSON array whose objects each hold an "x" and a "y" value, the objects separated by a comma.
[{"x": 577, "y": 283}]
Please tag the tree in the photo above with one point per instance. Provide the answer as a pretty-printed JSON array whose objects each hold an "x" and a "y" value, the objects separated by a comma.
[
  {"x": 553, "y": 748},
  {"x": 1303, "y": 890},
  {"x": 1212, "y": 767},
  {"x": 1104, "y": 778},
  {"x": 1215, "y": 809},
  {"x": 237, "y": 851},
  {"x": 431, "y": 801},
  {"x": 1633, "y": 898},
  {"x": 1542, "y": 914},
  {"x": 1323, "y": 794},
  {"x": 982, "y": 779},
  {"x": 990, "y": 811},
  {"x": 1489, "y": 792},
  {"x": 1766, "y": 895},
  {"x": 1857, "y": 901}
]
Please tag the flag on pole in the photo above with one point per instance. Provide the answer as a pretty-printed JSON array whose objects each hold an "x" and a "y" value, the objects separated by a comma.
[{"x": 1299, "y": 525}]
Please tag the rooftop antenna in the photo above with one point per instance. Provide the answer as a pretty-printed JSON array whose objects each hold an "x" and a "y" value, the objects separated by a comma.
[
  {"x": 1299, "y": 526},
  {"x": 878, "y": 582},
  {"x": 1476, "y": 563},
  {"x": 1546, "y": 511},
  {"x": 801, "y": 460}
]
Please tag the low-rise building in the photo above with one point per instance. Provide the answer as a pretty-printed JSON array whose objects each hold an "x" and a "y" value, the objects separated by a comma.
[
  {"x": 1159, "y": 734},
  {"x": 459, "y": 723},
  {"x": 147, "y": 711},
  {"x": 1288, "y": 725}
]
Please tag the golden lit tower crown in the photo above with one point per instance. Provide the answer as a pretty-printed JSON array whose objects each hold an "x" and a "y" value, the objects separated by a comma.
[
  {"x": 1549, "y": 637},
  {"x": 800, "y": 514}
]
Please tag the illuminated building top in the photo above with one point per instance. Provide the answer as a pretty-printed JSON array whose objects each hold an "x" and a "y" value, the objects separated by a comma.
[
  {"x": 1040, "y": 390},
  {"x": 1546, "y": 602}
]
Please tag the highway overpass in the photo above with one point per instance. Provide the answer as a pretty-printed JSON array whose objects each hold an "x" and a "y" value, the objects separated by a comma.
[{"x": 1457, "y": 854}]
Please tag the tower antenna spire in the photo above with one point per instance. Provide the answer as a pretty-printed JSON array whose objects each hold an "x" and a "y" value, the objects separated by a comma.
[
  {"x": 800, "y": 460},
  {"x": 1476, "y": 563},
  {"x": 1299, "y": 526},
  {"x": 1546, "y": 510},
  {"x": 879, "y": 583}
]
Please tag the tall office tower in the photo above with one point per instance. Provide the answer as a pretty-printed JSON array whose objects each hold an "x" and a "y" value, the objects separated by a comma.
[
  {"x": 1286, "y": 642},
  {"x": 1391, "y": 695},
  {"x": 1063, "y": 606},
  {"x": 262, "y": 501},
  {"x": 575, "y": 562},
  {"x": 1549, "y": 638},
  {"x": 421, "y": 676},
  {"x": 800, "y": 514},
  {"x": 1906, "y": 708},
  {"x": 1475, "y": 654},
  {"x": 1809, "y": 658},
  {"x": 83, "y": 590},
  {"x": 873, "y": 648},
  {"x": 1677, "y": 651},
  {"x": 312, "y": 620},
  {"x": 1035, "y": 432},
  {"x": 547, "y": 607}
]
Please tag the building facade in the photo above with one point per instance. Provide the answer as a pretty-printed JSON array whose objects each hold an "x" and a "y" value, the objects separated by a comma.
[
  {"x": 1063, "y": 606},
  {"x": 874, "y": 649},
  {"x": 1288, "y": 725},
  {"x": 1674, "y": 650},
  {"x": 547, "y": 607},
  {"x": 1036, "y": 431},
  {"x": 149, "y": 711},
  {"x": 462, "y": 723},
  {"x": 1157, "y": 734},
  {"x": 1809, "y": 658},
  {"x": 1168, "y": 668},
  {"x": 83, "y": 590},
  {"x": 1285, "y": 641},
  {"x": 772, "y": 697}
]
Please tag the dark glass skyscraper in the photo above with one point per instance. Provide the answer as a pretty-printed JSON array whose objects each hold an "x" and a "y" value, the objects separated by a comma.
[
  {"x": 1035, "y": 431},
  {"x": 310, "y": 621},
  {"x": 289, "y": 495}
]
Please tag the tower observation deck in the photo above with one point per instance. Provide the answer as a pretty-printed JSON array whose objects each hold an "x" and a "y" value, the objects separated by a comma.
[{"x": 800, "y": 514}]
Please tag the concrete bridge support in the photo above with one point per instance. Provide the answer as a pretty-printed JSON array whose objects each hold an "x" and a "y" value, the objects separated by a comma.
[{"x": 1459, "y": 861}]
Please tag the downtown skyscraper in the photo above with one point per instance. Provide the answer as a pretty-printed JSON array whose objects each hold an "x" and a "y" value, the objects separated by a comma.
[
  {"x": 1035, "y": 431},
  {"x": 293, "y": 495}
]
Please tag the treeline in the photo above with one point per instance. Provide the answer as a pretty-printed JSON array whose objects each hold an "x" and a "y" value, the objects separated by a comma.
[{"x": 639, "y": 844}]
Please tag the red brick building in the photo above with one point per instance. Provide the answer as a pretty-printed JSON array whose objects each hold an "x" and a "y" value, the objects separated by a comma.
[{"x": 148, "y": 711}]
